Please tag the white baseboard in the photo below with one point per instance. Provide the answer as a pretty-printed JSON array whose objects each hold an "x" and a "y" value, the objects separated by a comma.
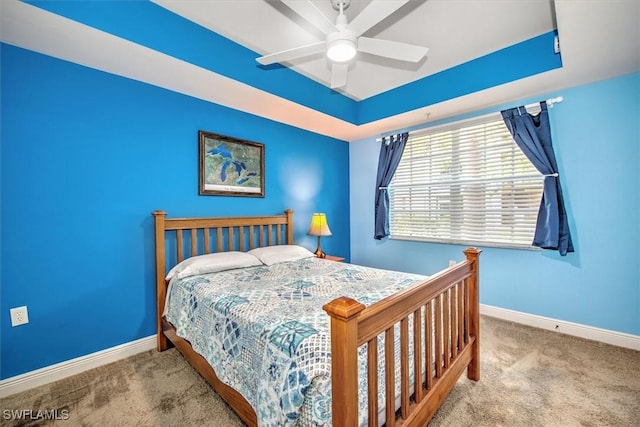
[
  {"x": 62, "y": 370},
  {"x": 65, "y": 369},
  {"x": 589, "y": 332}
]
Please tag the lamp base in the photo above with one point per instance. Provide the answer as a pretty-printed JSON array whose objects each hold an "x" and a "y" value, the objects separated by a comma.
[{"x": 320, "y": 253}]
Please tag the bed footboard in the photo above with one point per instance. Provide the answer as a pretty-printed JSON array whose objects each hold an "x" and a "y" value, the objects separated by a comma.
[{"x": 444, "y": 313}]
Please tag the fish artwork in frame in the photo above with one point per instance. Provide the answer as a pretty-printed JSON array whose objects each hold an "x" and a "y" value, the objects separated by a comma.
[{"x": 230, "y": 166}]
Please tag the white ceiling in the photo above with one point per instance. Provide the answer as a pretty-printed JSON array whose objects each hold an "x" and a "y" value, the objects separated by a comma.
[
  {"x": 454, "y": 31},
  {"x": 600, "y": 39}
]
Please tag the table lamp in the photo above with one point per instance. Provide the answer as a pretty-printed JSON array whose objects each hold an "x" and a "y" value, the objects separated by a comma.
[{"x": 319, "y": 227}]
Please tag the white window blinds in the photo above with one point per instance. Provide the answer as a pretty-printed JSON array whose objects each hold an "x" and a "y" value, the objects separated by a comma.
[{"x": 467, "y": 183}]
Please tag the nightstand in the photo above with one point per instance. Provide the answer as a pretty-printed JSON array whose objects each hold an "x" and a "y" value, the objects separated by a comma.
[{"x": 334, "y": 258}]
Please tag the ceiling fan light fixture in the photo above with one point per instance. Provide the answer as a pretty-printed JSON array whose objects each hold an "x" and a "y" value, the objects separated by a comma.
[{"x": 341, "y": 49}]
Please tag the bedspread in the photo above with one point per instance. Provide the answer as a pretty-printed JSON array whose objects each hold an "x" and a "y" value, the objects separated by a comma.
[{"x": 264, "y": 332}]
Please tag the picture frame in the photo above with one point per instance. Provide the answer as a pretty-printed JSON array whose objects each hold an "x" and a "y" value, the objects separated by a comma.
[{"x": 230, "y": 166}]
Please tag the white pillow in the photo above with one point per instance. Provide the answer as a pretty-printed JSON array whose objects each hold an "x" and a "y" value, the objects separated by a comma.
[
  {"x": 281, "y": 253},
  {"x": 212, "y": 263}
]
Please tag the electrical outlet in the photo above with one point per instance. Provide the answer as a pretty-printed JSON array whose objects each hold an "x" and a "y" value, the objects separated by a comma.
[{"x": 19, "y": 316}]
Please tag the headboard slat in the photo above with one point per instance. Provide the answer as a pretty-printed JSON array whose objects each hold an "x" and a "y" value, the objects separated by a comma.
[
  {"x": 261, "y": 242},
  {"x": 207, "y": 243},
  {"x": 194, "y": 241},
  {"x": 179, "y": 244},
  {"x": 251, "y": 240},
  {"x": 219, "y": 237}
]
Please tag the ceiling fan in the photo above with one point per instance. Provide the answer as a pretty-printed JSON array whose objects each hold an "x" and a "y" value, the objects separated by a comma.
[{"x": 344, "y": 39}]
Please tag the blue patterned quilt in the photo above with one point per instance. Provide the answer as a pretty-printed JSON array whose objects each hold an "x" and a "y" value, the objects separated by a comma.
[{"x": 264, "y": 331}]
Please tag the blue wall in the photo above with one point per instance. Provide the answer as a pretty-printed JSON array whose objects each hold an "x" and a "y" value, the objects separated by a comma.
[
  {"x": 85, "y": 158},
  {"x": 596, "y": 135}
]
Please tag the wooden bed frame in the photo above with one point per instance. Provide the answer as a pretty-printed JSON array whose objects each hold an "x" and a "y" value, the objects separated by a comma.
[{"x": 451, "y": 338}]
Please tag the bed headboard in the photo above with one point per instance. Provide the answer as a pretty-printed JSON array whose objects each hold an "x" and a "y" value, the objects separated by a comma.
[
  {"x": 180, "y": 238},
  {"x": 197, "y": 236}
]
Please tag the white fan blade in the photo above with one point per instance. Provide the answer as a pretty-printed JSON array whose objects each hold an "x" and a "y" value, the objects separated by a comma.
[
  {"x": 339, "y": 75},
  {"x": 375, "y": 12},
  {"x": 311, "y": 13},
  {"x": 394, "y": 50},
  {"x": 296, "y": 52}
]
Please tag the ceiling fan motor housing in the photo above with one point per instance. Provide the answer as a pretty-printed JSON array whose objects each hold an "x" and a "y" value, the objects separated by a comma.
[{"x": 341, "y": 46}]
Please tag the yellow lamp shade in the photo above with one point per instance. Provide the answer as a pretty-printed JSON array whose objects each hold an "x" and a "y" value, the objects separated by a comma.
[{"x": 319, "y": 226}]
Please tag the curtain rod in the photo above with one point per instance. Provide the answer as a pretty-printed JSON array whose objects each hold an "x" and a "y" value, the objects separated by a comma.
[{"x": 549, "y": 102}]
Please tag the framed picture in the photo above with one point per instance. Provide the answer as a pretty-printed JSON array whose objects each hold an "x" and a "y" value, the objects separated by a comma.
[{"x": 230, "y": 166}]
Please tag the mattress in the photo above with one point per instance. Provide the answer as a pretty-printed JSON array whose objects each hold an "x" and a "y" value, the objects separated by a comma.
[{"x": 265, "y": 334}]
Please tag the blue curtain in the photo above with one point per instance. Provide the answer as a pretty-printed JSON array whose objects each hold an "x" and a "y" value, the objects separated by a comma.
[
  {"x": 390, "y": 153},
  {"x": 532, "y": 133}
]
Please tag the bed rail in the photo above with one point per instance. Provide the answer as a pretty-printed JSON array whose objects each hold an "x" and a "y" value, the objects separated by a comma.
[{"x": 443, "y": 315}]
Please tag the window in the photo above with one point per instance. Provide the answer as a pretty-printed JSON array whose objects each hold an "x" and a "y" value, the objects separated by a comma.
[{"x": 465, "y": 183}]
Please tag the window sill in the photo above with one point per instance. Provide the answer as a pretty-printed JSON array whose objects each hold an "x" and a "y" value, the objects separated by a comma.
[{"x": 468, "y": 243}]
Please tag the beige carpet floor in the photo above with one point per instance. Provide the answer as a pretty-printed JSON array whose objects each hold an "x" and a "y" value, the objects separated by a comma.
[{"x": 530, "y": 377}]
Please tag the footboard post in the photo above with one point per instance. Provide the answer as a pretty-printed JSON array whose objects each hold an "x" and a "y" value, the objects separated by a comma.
[
  {"x": 473, "y": 256},
  {"x": 344, "y": 360},
  {"x": 161, "y": 289}
]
